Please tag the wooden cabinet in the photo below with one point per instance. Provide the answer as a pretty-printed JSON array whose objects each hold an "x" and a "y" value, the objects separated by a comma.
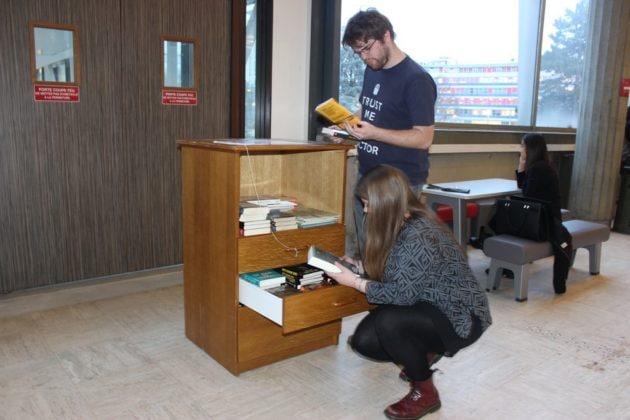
[{"x": 214, "y": 176}]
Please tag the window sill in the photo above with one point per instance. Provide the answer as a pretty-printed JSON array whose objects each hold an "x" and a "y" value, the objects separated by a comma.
[{"x": 492, "y": 148}]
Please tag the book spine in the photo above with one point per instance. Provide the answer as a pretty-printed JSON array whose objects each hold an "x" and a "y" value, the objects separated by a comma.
[
  {"x": 293, "y": 283},
  {"x": 292, "y": 277},
  {"x": 251, "y": 279},
  {"x": 287, "y": 271}
]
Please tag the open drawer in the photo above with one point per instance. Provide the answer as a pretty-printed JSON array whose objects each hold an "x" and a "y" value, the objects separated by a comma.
[{"x": 298, "y": 311}]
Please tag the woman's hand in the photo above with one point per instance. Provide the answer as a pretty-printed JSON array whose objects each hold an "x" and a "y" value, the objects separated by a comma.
[
  {"x": 345, "y": 278},
  {"x": 355, "y": 262},
  {"x": 348, "y": 278}
]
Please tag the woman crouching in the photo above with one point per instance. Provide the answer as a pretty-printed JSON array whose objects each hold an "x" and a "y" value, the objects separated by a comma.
[{"x": 429, "y": 302}]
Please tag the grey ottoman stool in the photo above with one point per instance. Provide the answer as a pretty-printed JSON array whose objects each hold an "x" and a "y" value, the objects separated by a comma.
[{"x": 514, "y": 253}]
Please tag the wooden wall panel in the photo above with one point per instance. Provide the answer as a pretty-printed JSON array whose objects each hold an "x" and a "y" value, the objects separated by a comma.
[
  {"x": 93, "y": 188},
  {"x": 58, "y": 159},
  {"x": 151, "y": 129}
]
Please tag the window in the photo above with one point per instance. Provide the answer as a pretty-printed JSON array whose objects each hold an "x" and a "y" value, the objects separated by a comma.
[
  {"x": 250, "y": 69},
  {"x": 258, "y": 39},
  {"x": 562, "y": 62},
  {"x": 490, "y": 68},
  {"x": 54, "y": 53},
  {"x": 178, "y": 57}
]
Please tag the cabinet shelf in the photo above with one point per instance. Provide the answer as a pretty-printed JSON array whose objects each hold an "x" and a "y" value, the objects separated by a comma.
[{"x": 214, "y": 177}]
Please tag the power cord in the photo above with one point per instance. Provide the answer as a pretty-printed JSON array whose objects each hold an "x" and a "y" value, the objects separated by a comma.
[{"x": 253, "y": 179}]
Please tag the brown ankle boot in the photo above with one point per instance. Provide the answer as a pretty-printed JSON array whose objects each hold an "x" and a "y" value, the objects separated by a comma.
[
  {"x": 422, "y": 399},
  {"x": 432, "y": 358}
]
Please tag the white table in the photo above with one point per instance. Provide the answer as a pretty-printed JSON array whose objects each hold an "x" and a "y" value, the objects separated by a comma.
[{"x": 479, "y": 188}]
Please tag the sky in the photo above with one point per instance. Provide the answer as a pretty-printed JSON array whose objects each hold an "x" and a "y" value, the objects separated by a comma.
[{"x": 479, "y": 31}]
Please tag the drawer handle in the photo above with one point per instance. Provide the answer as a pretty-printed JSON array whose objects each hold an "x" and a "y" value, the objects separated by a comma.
[{"x": 348, "y": 301}]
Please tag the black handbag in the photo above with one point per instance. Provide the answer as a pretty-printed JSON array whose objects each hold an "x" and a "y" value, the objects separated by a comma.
[{"x": 524, "y": 217}]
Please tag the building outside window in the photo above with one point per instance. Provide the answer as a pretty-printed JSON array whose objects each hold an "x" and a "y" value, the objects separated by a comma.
[{"x": 490, "y": 68}]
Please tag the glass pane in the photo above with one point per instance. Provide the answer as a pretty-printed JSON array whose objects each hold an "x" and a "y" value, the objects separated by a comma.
[
  {"x": 250, "y": 69},
  {"x": 562, "y": 63},
  {"x": 179, "y": 64},
  {"x": 54, "y": 55},
  {"x": 472, "y": 55},
  {"x": 483, "y": 63}
]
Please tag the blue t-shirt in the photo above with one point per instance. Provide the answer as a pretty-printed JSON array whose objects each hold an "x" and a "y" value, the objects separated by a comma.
[{"x": 397, "y": 98}]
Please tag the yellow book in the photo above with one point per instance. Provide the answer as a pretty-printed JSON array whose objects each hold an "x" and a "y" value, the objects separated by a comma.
[{"x": 336, "y": 113}]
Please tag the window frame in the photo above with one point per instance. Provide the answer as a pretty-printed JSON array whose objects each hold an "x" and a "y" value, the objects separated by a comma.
[
  {"x": 75, "y": 51},
  {"x": 322, "y": 88},
  {"x": 264, "y": 40},
  {"x": 324, "y": 57},
  {"x": 195, "y": 43}
]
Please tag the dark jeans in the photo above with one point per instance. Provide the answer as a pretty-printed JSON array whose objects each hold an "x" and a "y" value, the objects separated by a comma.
[
  {"x": 403, "y": 335},
  {"x": 561, "y": 265},
  {"x": 562, "y": 255}
]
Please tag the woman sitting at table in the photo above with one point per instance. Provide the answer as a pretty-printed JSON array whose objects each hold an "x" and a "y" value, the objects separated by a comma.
[
  {"x": 429, "y": 302},
  {"x": 538, "y": 179}
]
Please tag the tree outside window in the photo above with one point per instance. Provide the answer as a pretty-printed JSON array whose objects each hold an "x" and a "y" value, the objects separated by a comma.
[{"x": 562, "y": 66}]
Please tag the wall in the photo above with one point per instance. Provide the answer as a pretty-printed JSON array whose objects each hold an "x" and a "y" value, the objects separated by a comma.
[
  {"x": 290, "y": 74},
  {"x": 92, "y": 189}
]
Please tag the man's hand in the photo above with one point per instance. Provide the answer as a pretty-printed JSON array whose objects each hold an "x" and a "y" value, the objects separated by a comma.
[
  {"x": 360, "y": 131},
  {"x": 417, "y": 137}
]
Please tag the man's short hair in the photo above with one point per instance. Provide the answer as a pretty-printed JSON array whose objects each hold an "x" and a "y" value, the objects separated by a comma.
[{"x": 366, "y": 24}]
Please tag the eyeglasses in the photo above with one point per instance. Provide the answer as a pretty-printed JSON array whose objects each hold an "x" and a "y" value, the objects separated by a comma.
[{"x": 365, "y": 49}]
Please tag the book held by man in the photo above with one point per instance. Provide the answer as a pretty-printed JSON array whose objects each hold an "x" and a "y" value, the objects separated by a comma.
[
  {"x": 336, "y": 113},
  {"x": 332, "y": 132}
]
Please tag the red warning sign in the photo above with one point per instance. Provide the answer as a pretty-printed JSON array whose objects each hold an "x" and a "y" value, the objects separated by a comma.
[
  {"x": 179, "y": 97},
  {"x": 55, "y": 93},
  {"x": 624, "y": 87}
]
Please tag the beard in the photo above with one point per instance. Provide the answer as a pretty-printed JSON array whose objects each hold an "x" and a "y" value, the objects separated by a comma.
[{"x": 377, "y": 63}]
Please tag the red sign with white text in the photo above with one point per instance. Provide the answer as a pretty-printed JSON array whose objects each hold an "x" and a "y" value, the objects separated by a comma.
[
  {"x": 54, "y": 93},
  {"x": 179, "y": 97},
  {"x": 624, "y": 87}
]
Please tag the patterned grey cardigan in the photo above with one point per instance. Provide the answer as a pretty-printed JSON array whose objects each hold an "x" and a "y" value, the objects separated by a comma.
[{"x": 426, "y": 264}]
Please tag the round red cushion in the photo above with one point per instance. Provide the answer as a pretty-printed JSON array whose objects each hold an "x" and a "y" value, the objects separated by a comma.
[{"x": 445, "y": 212}]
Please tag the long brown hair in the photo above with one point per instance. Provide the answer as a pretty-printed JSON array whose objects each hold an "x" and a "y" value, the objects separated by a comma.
[
  {"x": 390, "y": 203},
  {"x": 536, "y": 149}
]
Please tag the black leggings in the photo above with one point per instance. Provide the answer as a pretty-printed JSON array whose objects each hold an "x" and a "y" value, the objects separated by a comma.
[{"x": 403, "y": 335}]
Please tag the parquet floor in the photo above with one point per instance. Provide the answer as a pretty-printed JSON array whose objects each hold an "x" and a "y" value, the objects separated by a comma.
[{"x": 117, "y": 351}]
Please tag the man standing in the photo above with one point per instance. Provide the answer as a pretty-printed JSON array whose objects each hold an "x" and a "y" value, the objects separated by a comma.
[{"x": 397, "y": 103}]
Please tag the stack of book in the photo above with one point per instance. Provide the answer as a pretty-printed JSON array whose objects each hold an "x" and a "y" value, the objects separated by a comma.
[
  {"x": 280, "y": 202},
  {"x": 309, "y": 217},
  {"x": 265, "y": 279},
  {"x": 253, "y": 219},
  {"x": 254, "y": 227},
  {"x": 301, "y": 275},
  {"x": 282, "y": 220}
]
